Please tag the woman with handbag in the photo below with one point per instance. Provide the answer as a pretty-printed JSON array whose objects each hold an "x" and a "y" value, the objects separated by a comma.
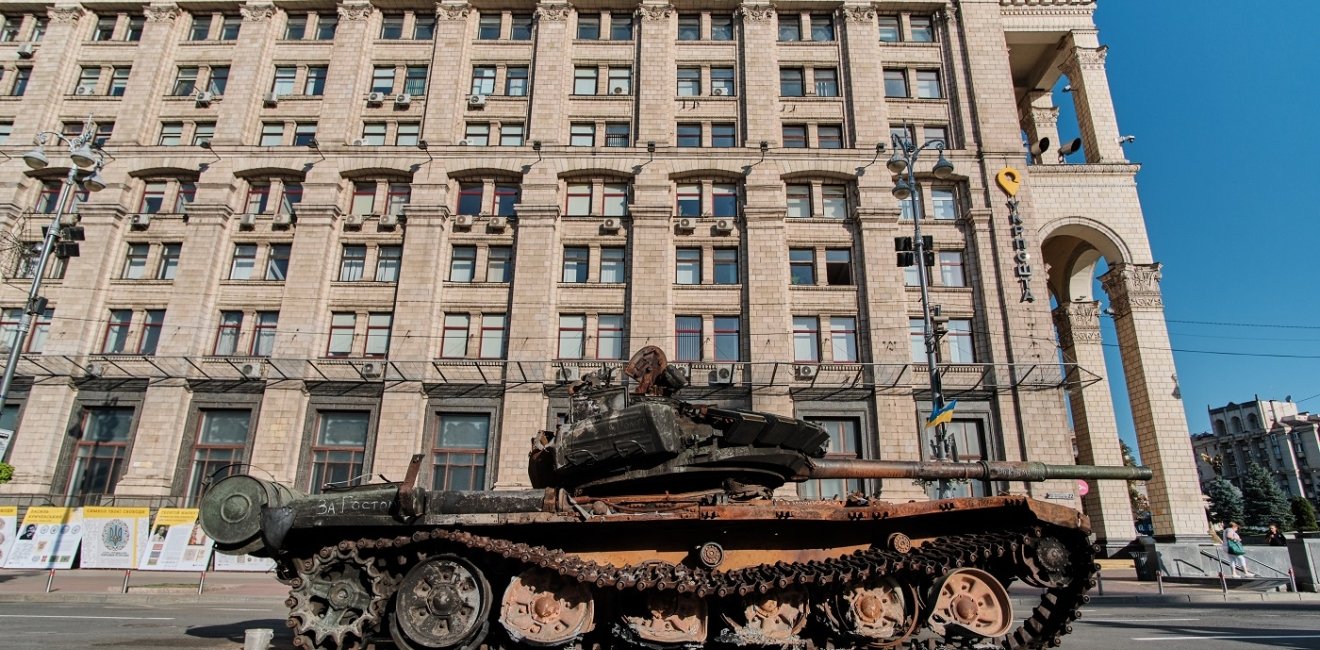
[{"x": 1233, "y": 544}]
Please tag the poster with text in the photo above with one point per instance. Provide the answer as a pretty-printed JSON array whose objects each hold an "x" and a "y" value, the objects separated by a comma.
[
  {"x": 48, "y": 538},
  {"x": 176, "y": 543},
  {"x": 8, "y": 527},
  {"x": 114, "y": 537},
  {"x": 243, "y": 563}
]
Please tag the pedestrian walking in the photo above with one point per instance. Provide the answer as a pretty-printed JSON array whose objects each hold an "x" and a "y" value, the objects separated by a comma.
[
  {"x": 1275, "y": 536},
  {"x": 1237, "y": 553}
]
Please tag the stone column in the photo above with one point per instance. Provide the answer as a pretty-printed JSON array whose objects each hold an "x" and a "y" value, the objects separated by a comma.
[
  {"x": 770, "y": 315},
  {"x": 1157, "y": 410},
  {"x": 1040, "y": 119},
  {"x": 250, "y": 70},
  {"x": 552, "y": 75},
  {"x": 450, "y": 74},
  {"x": 153, "y": 73},
  {"x": 54, "y": 72},
  {"x": 1085, "y": 68},
  {"x": 864, "y": 74},
  {"x": 36, "y": 448},
  {"x": 759, "y": 95},
  {"x": 657, "y": 75},
  {"x": 279, "y": 434},
  {"x": 347, "y": 79},
  {"x": 161, "y": 423},
  {"x": 1094, "y": 425}
]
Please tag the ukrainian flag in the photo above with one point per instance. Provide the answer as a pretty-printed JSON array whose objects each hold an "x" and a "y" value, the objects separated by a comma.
[{"x": 943, "y": 416}]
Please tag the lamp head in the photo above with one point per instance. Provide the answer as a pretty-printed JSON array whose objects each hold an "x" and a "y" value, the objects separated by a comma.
[
  {"x": 902, "y": 191},
  {"x": 536, "y": 145},
  {"x": 36, "y": 159},
  {"x": 423, "y": 145},
  {"x": 943, "y": 168},
  {"x": 313, "y": 144},
  {"x": 897, "y": 163},
  {"x": 879, "y": 148},
  {"x": 650, "y": 146},
  {"x": 765, "y": 146},
  {"x": 205, "y": 144},
  {"x": 95, "y": 182},
  {"x": 83, "y": 156}
]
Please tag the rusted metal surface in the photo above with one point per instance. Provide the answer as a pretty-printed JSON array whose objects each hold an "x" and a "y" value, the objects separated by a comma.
[{"x": 980, "y": 471}]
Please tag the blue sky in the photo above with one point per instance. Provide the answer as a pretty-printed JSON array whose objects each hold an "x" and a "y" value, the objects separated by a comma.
[{"x": 1223, "y": 100}]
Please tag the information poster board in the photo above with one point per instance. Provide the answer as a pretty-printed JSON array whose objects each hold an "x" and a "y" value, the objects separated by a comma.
[
  {"x": 177, "y": 542},
  {"x": 243, "y": 563},
  {"x": 8, "y": 530},
  {"x": 48, "y": 538},
  {"x": 115, "y": 536}
]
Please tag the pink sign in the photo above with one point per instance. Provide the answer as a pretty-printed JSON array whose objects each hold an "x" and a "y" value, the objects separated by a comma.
[{"x": 1082, "y": 487}]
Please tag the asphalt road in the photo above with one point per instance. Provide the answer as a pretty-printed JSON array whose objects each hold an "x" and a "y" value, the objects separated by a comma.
[{"x": 1231, "y": 626}]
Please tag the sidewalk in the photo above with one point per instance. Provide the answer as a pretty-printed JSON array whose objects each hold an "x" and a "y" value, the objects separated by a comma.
[{"x": 1119, "y": 586}]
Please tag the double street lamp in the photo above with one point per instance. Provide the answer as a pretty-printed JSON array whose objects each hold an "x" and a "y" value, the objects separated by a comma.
[
  {"x": 901, "y": 164},
  {"x": 85, "y": 171}
]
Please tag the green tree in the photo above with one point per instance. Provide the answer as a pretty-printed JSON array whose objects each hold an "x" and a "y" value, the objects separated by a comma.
[
  {"x": 1265, "y": 502},
  {"x": 1303, "y": 514},
  {"x": 1225, "y": 501},
  {"x": 1136, "y": 496}
]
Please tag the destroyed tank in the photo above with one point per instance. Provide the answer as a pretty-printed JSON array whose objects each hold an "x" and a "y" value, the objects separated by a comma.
[{"x": 655, "y": 523}]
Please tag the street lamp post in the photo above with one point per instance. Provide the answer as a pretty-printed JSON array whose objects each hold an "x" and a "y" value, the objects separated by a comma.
[
  {"x": 906, "y": 189},
  {"x": 83, "y": 157}
]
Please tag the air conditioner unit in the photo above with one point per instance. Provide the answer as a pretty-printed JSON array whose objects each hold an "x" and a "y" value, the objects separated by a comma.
[
  {"x": 282, "y": 219},
  {"x": 358, "y": 142},
  {"x": 354, "y": 220},
  {"x": 25, "y": 51},
  {"x": 372, "y": 370},
  {"x": 497, "y": 223},
  {"x": 271, "y": 99},
  {"x": 612, "y": 224},
  {"x": 568, "y": 374},
  {"x": 722, "y": 374},
  {"x": 375, "y": 98},
  {"x": 84, "y": 90},
  {"x": 718, "y": 92},
  {"x": 402, "y": 99},
  {"x": 248, "y": 220},
  {"x": 805, "y": 372},
  {"x": 462, "y": 143},
  {"x": 687, "y": 224},
  {"x": 617, "y": 90},
  {"x": 141, "y": 220},
  {"x": 204, "y": 98},
  {"x": 724, "y": 225},
  {"x": 684, "y": 369},
  {"x": 463, "y": 221},
  {"x": 476, "y": 101},
  {"x": 252, "y": 370},
  {"x": 389, "y": 220}
]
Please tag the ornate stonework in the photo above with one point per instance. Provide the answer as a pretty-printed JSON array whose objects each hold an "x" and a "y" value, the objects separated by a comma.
[
  {"x": 1133, "y": 286},
  {"x": 453, "y": 11},
  {"x": 857, "y": 14},
  {"x": 756, "y": 13},
  {"x": 1078, "y": 322},
  {"x": 162, "y": 13},
  {"x": 355, "y": 10},
  {"x": 67, "y": 14},
  {"x": 1083, "y": 58},
  {"x": 257, "y": 13},
  {"x": 652, "y": 13},
  {"x": 1047, "y": 117},
  {"x": 555, "y": 13}
]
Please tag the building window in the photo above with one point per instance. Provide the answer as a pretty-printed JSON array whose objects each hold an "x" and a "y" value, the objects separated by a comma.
[
  {"x": 326, "y": 25},
  {"x": 722, "y": 82},
  {"x": 951, "y": 268},
  {"x": 582, "y": 135},
  {"x": 928, "y": 85},
  {"x": 845, "y": 443},
  {"x": 152, "y": 322},
  {"x": 687, "y": 266},
  {"x": 202, "y": 133},
  {"x": 613, "y": 266},
  {"x": 364, "y": 198},
  {"x": 407, "y": 134},
  {"x": 295, "y": 27},
  {"x": 726, "y": 266},
  {"x": 721, "y": 27},
  {"x": 588, "y": 27},
  {"x": 790, "y": 27},
  {"x": 799, "y": 201},
  {"x": 388, "y": 262},
  {"x": 493, "y": 328},
  {"x": 923, "y": 29},
  {"x": 243, "y": 262},
  {"x": 689, "y": 135},
  {"x": 575, "y": 264},
  {"x": 943, "y": 204},
  {"x": 790, "y": 82},
  {"x": 342, "y": 327},
  {"x": 391, "y": 27},
  {"x": 469, "y": 198},
  {"x": 843, "y": 339},
  {"x": 620, "y": 81},
  {"x": 352, "y": 262},
  {"x": 277, "y": 262},
  {"x": 572, "y": 336},
  {"x": 229, "y": 27},
  {"x": 838, "y": 266},
  {"x": 511, "y": 134},
  {"x": 584, "y": 80},
  {"x": 937, "y": 134},
  {"x": 116, "y": 331},
  {"x": 185, "y": 81},
  {"x": 687, "y": 332},
  {"x": 959, "y": 338},
  {"x": 889, "y": 30},
  {"x": 520, "y": 27},
  {"x": 829, "y": 136},
  {"x": 723, "y": 135},
  {"x": 222, "y": 435},
  {"x": 499, "y": 264},
  {"x": 135, "y": 263},
  {"x": 515, "y": 81},
  {"x": 822, "y": 27},
  {"x": 488, "y": 27},
  {"x": 119, "y": 81},
  {"x": 618, "y": 134},
  {"x": 728, "y": 341},
  {"x": 621, "y": 26},
  {"x": 373, "y": 133},
  {"x": 272, "y": 134},
  {"x": 171, "y": 134},
  {"x": 917, "y": 338},
  {"x": 896, "y": 83},
  {"x": 834, "y": 201},
  {"x": 21, "y": 78},
  {"x": 169, "y": 261},
  {"x": 263, "y": 336},
  {"x": 802, "y": 266},
  {"x": 378, "y": 334},
  {"x": 795, "y": 136},
  {"x": 689, "y": 27},
  {"x": 100, "y": 450},
  {"x": 314, "y": 84},
  {"x": 968, "y": 436},
  {"x": 226, "y": 339},
  {"x": 397, "y": 196},
  {"x": 827, "y": 82},
  {"x": 304, "y": 134},
  {"x": 284, "y": 79},
  {"x": 689, "y": 82},
  {"x": 477, "y": 134},
  {"x": 382, "y": 79},
  {"x": 414, "y": 80},
  {"x": 609, "y": 336},
  {"x": 455, "y": 337},
  {"x": 105, "y": 28},
  {"x": 219, "y": 80},
  {"x": 806, "y": 339},
  {"x": 459, "y": 456},
  {"x": 340, "y": 450}
]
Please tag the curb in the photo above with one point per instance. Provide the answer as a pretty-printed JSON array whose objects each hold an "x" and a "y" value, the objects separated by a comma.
[
  {"x": 146, "y": 599},
  {"x": 1182, "y": 599}
]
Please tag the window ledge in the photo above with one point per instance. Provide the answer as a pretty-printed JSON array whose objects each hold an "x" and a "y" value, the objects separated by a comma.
[
  {"x": 94, "y": 97},
  {"x": 933, "y": 101},
  {"x": 835, "y": 288},
  {"x": 807, "y": 43},
  {"x": 705, "y": 98},
  {"x": 248, "y": 283},
  {"x": 605, "y": 41},
  {"x": 478, "y": 285},
  {"x": 603, "y": 97},
  {"x": 115, "y": 43},
  {"x": 710, "y": 285},
  {"x": 360, "y": 283},
  {"x": 209, "y": 42},
  {"x": 140, "y": 282}
]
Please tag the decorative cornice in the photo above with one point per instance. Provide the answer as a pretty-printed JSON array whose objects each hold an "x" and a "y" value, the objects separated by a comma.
[
  {"x": 1078, "y": 322},
  {"x": 66, "y": 14},
  {"x": 654, "y": 13},
  {"x": 555, "y": 13},
  {"x": 258, "y": 12},
  {"x": 1084, "y": 58},
  {"x": 857, "y": 13},
  {"x": 756, "y": 13},
  {"x": 1046, "y": 7},
  {"x": 162, "y": 13},
  {"x": 453, "y": 11},
  {"x": 1047, "y": 117},
  {"x": 1133, "y": 286},
  {"x": 355, "y": 10}
]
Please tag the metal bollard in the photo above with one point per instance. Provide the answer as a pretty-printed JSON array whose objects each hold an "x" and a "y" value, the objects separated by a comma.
[
  {"x": 49, "y": 580},
  {"x": 201, "y": 583},
  {"x": 1159, "y": 581},
  {"x": 1292, "y": 580},
  {"x": 1223, "y": 584},
  {"x": 127, "y": 573},
  {"x": 1100, "y": 582}
]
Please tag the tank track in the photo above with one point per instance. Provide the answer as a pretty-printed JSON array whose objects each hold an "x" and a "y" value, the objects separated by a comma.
[{"x": 1006, "y": 555}]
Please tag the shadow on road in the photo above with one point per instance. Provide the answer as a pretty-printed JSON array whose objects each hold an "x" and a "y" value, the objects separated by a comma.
[{"x": 235, "y": 631}]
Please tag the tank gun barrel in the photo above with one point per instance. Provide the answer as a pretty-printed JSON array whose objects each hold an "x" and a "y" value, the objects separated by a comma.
[{"x": 979, "y": 471}]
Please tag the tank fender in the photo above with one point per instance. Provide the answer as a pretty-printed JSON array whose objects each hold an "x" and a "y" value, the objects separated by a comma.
[{"x": 275, "y": 526}]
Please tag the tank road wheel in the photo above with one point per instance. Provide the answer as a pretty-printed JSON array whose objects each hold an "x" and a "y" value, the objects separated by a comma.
[
  {"x": 972, "y": 600},
  {"x": 668, "y": 618},
  {"x": 1045, "y": 562},
  {"x": 442, "y": 603},
  {"x": 878, "y": 613},
  {"x": 774, "y": 618},
  {"x": 331, "y": 605},
  {"x": 545, "y": 609}
]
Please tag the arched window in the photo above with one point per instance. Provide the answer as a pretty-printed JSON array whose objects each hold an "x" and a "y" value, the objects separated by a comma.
[
  {"x": 1253, "y": 422},
  {"x": 587, "y": 196},
  {"x": 706, "y": 197},
  {"x": 384, "y": 193},
  {"x": 826, "y": 198},
  {"x": 1219, "y": 427},
  {"x": 1237, "y": 424},
  {"x": 488, "y": 194}
]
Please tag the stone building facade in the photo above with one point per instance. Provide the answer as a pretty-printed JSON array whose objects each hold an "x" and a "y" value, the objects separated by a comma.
[
  {"x": 411, "y": 221},
  {"x": 1270, "y": 433}
]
